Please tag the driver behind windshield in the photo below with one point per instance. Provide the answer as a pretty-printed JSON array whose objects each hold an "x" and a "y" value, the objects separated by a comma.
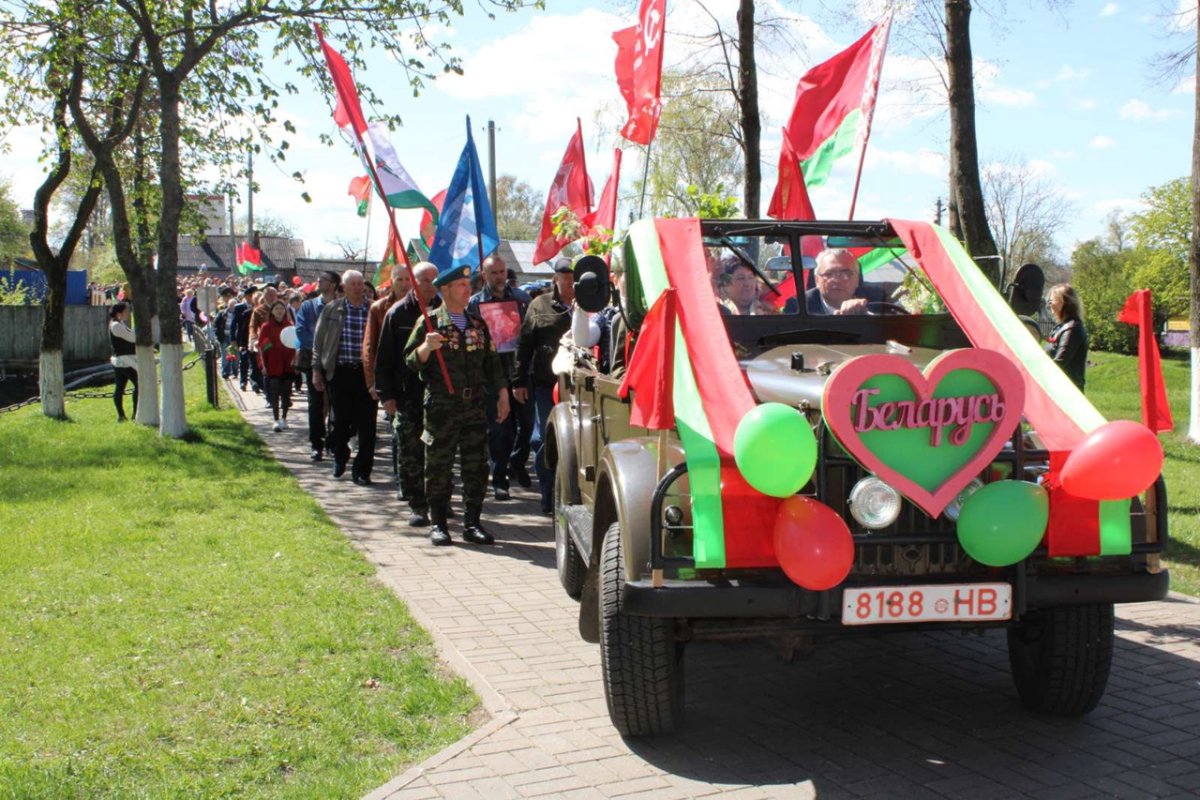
[{"x": 839, "y": 288}]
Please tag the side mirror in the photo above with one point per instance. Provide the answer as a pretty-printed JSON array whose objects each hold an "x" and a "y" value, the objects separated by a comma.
[
  {"x": 593, "y": 287},
  {"x": 1024, "y": 294}
]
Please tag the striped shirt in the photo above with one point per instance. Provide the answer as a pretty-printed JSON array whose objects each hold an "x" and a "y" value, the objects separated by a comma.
[
  {"x": 354, "y": 325},
  {"x": 459, "y": 320}
]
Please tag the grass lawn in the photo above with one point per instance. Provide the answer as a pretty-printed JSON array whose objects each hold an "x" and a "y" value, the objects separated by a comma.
[
  {"x": 1112, "y": 386},
  {"x": 181, "y": 620}
]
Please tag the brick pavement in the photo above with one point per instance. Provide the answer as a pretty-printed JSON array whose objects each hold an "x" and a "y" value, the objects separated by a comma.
[{"x": 912, "y": 715}]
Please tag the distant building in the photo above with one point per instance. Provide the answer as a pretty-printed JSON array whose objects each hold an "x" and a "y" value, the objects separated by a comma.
[
  {"x": 213, "y": 210},
  {"x": 215, "y": 254}
]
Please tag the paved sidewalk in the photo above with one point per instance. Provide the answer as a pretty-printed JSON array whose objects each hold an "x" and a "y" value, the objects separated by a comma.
[{"x": 914, "y": 715}]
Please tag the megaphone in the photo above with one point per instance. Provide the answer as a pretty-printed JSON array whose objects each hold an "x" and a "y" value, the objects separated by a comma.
[{"x": 593, "y": 286}]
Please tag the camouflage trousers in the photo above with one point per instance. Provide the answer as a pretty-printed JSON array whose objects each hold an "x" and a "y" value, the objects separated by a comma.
[
  {"x": 407, "y": 425},
  {"x": 455, "y": 426}
]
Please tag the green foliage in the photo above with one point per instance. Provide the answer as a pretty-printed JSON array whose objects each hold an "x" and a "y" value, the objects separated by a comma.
[
  {"x": 1167, "y": 221},
  {"x": 1106, "y": 273},
  {"x": 14, "y": 292},
  {"x": 14, "y": 236},
  {"x": 1100, "y": 276},
  {"x": 713, "y": 205},
  {"x": 696, "y": 145},
  {"x": 182, "y": 620},
  {"x": 518, "y": 208}
]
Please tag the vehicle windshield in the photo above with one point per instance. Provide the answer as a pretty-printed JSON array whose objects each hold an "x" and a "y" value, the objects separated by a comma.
[{"x": 759, "y": 275}]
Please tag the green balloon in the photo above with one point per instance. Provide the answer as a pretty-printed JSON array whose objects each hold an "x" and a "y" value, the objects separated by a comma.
[
  {"x": 775, "y": 449},
  {"x": 1003, "y": 522}
]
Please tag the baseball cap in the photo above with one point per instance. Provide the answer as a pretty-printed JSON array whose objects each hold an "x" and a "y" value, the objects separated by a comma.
[{"x": 563, "y": 265}]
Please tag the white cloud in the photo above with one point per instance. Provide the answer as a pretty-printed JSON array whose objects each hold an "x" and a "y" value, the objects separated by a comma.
[
  {"x": 1070, "y": 73},
  {"x": 1186, "y": 85},
  {"x": 1109, "y": 9},
  {"x": 991, "y": 92},
  {"x": 1087, "y": 104},
  {"x": 1139, "y": 110},
  {"x": 1125, "y": 204},
  {"x": 923, "y": 161},
  {"x": 1101, "y": 143}
]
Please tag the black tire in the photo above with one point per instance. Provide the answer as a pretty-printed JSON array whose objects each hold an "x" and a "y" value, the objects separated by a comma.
[
  {"x": 640, "y": 660},
  {"x": 1060, "y": 658},
  {"x": 569, "y": 562}
]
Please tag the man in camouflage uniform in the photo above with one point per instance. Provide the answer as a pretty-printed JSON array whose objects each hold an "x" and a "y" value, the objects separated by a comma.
[{"x": 457, "y": 423}]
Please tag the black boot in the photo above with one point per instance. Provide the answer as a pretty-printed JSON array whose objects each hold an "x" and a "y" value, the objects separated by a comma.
[{"x": 439, "y": 534}]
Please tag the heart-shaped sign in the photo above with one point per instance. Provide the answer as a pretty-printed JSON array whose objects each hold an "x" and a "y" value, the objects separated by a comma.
[{"x": 925, "y": 434}]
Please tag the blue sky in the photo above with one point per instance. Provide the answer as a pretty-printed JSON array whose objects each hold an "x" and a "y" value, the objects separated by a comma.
[{"x": 1070, "y": 93}]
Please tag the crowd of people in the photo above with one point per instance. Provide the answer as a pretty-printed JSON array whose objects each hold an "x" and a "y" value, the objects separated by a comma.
[
  {"x": 476, "y": 384},
  {"x": 474, "y": 387}
]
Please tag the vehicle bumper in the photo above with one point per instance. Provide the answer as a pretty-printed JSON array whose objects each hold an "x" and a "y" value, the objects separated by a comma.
[{"x": 694, "y": 599}]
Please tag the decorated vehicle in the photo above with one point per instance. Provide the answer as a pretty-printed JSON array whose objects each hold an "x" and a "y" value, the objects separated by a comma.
[{"x": 758, "y": 467}]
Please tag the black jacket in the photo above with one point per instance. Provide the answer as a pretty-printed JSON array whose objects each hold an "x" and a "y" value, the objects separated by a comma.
[
  {"x": 1070, "y": 349},
  {"x": 393, "y": 379},
  {"x": 546, "y": 320}
]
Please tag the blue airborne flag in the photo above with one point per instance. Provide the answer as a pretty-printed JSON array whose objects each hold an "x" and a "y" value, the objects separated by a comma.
[{"x": 466, "y": 226}]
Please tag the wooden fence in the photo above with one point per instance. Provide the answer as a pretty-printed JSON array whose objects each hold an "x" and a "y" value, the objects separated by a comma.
[{"x": 85, "y": 339}]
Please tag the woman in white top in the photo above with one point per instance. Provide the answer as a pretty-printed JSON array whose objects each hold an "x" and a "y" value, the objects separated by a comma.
[{"x": 124, "y": 357}]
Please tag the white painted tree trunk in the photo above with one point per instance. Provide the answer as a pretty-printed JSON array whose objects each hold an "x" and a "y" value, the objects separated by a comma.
[
  {"x": 1194, "y": 419},
  {"x": 174, "y": 414},
  {"x": 147, "y": 410},
  {"x": 50, "y": 384}
]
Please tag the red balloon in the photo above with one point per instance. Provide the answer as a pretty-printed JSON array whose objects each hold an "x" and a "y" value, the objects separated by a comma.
[
  {"x": 297, "y": 280},
  {"x": 1117, "y": 460},
  {"x": 812, "y": 543},
  {"x": 554, "y": 394}
]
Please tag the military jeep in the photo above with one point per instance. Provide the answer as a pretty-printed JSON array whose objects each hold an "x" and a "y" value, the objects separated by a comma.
[{"x": 623, "y": 511}]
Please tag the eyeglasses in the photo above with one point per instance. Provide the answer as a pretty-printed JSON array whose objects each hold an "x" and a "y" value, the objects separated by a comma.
[{"x": 837, "y": 274}]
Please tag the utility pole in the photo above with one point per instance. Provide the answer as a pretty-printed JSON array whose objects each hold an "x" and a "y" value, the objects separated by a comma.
[
  {"x": 232, "y": 237},
  {"x": 492, "y": 166},
  {"x": 250, "y": 196}
]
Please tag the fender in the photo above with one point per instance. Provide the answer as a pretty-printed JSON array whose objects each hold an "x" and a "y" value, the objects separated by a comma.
[
  {"x": 625, "y": 480},
  {"x": 561, "y": 454}
]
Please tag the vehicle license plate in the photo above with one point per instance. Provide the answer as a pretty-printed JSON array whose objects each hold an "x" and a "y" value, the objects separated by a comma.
[{"x": 954, "y": 602}]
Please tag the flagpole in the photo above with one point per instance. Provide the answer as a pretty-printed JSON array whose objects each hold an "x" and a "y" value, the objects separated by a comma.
[
  {"x": 873, "y": 86},
  {"x": 645, "y": 179},
  {"x": 367, "y": 242},
  {"x": 395, "y": 231}
]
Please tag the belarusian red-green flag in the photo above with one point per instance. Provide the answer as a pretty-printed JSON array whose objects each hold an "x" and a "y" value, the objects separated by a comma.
[
  {"x": 834, "y": 104},
  {"x": 360, "y": 190},
  {"x": 249, "y": 258}
]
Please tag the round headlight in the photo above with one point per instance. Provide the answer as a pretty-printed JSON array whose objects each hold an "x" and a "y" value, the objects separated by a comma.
[
  {"x": 874, "y": 504},
  {"x": 955, "y": 508}
]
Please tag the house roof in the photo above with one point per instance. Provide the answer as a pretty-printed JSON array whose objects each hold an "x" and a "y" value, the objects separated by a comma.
[{"x": 217, "y": 252}]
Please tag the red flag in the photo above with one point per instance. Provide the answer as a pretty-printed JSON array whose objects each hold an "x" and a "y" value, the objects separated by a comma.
[
  {"x": 348, "y": 111},
  {"x": 790, "y": 200},
  {"x": 1156, "y": 412},
  {"x": 605, "y": 215},
  {"x": 651, "y": 373},
  {"x": 832, "y": 99},
  {"x": 428, "y": 223},
  {"x": 787, "y": 290},
  {"x": 570, "y": 188},
  {"x": 639, "y": 70}
]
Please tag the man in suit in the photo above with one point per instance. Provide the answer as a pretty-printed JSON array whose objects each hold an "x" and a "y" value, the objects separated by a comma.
[{"x": 839, "y": 288}]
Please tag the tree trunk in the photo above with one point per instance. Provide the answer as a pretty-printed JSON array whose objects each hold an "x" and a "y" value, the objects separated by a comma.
[
  {"x": 748, "y": 106},
  {"x": 50, "y": 380},
  {"x": 1194, "y": 267},
  {"x": 173, "y": 422},
  {"x": 965, "y": 185}
]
